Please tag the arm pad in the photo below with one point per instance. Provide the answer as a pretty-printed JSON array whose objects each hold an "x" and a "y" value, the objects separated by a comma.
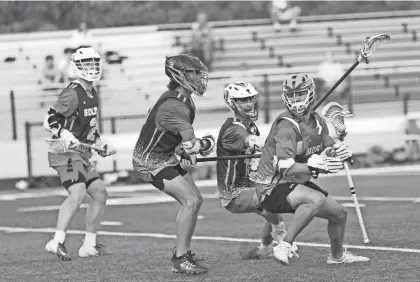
[{"x": 53, "y": 122}]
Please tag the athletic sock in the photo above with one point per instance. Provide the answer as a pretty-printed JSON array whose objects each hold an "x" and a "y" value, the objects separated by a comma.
[{"x": 60, "y": 236}]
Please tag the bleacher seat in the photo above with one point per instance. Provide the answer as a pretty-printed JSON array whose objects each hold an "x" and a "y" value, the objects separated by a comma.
[{"x": 133, "y": 86}]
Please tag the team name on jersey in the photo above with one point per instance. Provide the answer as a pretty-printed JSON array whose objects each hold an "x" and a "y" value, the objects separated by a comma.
[
  {"x": 314, "y": 149},
  {"x": 90, "y": 112}
]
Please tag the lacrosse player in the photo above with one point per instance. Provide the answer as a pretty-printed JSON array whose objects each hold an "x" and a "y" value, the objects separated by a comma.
[
  {"x": 298, "y": 148},
  {"x": 72, "y": 121},
  {"x": 168, "y": 130},
  {"x": 240, "y": 135}
]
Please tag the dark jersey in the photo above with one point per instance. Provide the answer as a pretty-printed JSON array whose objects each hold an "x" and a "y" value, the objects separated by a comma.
[
  {"x": 232, "y": 175},
  {"x": 168, "y": 124},
  {"x": 289, "y": 138},
  {"x": 80, "y": 111}
]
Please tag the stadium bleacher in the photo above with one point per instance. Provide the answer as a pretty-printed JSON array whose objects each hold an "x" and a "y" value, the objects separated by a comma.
[{"x": 391, "y": 72}]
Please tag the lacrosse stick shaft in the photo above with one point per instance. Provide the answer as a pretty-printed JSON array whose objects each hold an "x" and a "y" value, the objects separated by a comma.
[
  {"x": 356, "y": 204},
  {"x": 370, "y": 45},
  {"x": 93, "y": 147},
  {"x": 335, "y": 85},
  {"x": 234, "y": 157}
]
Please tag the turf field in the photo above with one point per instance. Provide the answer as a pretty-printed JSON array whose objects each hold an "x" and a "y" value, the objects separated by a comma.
[{"x": 139, "y": 225}]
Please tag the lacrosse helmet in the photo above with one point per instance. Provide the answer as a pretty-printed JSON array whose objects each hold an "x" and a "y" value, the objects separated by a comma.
[
  {"x": 298, "y": 93},
  {"x": 87, "y": 64},
  {"x": 242, "y": 99},
  {"x": 188, "y": 71}
]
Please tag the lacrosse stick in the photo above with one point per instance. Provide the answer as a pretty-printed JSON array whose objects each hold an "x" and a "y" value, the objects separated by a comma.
[
  {"x": 234, "y": 157},
  {"x": 54, "y": 143},
  {"x": 366, "y": 50},
  {"x": 334, "y": 115}
]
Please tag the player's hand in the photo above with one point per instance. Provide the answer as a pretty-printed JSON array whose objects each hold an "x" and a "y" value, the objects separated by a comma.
[
  {"x": 108, "y": 150},
  {"x": 328, "y": 152},
  {"x": 207, "y": 145},
  {"x": 253, "y": 164},
  {"x": 342, "y": 152},
  {"x": 324, "y": 164},
  {"x": 70, "y": 140},
  {"x": 188, "y": 161}
]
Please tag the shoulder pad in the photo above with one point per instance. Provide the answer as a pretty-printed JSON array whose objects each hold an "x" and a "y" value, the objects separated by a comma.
[{"x": 293, "y": 122}]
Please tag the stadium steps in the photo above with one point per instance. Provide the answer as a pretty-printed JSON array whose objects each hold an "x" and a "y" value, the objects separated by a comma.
[{"x": 143, "y": 71}]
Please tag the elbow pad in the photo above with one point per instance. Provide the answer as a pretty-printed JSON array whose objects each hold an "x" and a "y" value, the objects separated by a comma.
[
  {"x": 53, "y": 122},
  {"x": 192, "y": 146},
  {"x": 256, "y": 142}
]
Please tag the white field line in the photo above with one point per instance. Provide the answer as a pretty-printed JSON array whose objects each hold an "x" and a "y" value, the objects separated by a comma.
[
  {"x": 163, "y": 198},
  {"x": 62, "y": 192},
  {"x": 111, "y": 223},
  {"x": 206, "y": 238},
  {"x": 146, "y": 199},
  {"x": 351, "y": 205},
  {"x": 392, "y": 170}
]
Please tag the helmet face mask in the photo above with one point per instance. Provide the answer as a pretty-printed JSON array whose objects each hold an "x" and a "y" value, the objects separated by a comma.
[
  {"x": 188, "y": 71},
  {"x": 87, "y": 64},
  {"x": 298, "y": 93},
  {"x": 243, "y": 100}
]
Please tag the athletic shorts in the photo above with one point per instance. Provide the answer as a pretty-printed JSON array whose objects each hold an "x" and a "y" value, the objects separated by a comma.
[
  {"x": 167, "y": 173},
  {"x": 245, "y": 202},
  {"x": 277, "y": 202},
  {"x": 76, "y": 172}
]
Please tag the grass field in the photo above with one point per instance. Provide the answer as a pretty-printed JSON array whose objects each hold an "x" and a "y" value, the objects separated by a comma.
[{"x": 141, "y": 244}]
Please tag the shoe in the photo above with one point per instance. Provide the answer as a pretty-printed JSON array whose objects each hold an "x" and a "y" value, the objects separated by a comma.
[
  {"x": 58, "y": 249},
  {"x": 346, "y": 258},
  {"x": 257, "y": 252},
  {"x": 187, "y": 264},
  {"x": 266, "y": 252},
  {"x": 91, "y": 251},
  {"x": 282, "y": 252},
  {"x": 294, "y": 251}
]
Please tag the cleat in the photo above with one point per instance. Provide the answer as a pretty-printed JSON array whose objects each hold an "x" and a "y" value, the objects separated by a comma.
[
  {"x": 58, "y": 249},
  {"x": 91, "y": 251},
  {"x": 187, "y": 264},
  {"x": 346, "y": 258},
  {"x": 294, "y": 251},
  {"x": 257, "y": 252},
  {"x": 282, "y": 252},
  {"x": 87, "y": 251}
]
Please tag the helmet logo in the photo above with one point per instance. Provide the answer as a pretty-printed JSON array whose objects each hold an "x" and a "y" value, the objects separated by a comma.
[{"x": 171, "y": 63}]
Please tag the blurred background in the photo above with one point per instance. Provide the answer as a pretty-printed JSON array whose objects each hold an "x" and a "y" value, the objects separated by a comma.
[{"x": 256, "y": 41}]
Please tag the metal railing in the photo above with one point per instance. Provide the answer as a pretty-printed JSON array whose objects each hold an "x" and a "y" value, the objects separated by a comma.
[
  {"x": 30, "y": 125},
  {"x": 269, "y": 98}
]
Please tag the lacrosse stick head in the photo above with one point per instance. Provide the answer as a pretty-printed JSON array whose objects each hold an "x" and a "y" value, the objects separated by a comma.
[
  {"x": 334, "y": 115},
  {"x": 370, "y": 45}
]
